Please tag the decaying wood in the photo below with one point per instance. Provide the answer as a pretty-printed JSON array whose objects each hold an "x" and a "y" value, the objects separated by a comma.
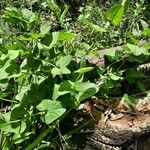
[
  {"x": 131, "y": 131},
  {"x": 100, "y": 61}
]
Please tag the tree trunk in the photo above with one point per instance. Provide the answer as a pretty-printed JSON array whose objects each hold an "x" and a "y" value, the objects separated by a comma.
[{"x": 109, "y": 131}]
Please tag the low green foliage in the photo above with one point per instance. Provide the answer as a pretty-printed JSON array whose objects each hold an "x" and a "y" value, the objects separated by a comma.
[{"x": 44, "y": 72}]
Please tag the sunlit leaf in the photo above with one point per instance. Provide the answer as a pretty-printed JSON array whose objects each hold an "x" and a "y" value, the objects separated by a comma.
[
  {"x": 7, "y": 125},
  {"x": 13, "y": 54},
  {"x": 26, "y": 13},
  {"x": 84, "y": 70},
  {"x": 114, "y": 76},
  {"x": 110, "y": 52},
  {"x": 54, "y": 7},
  {"x": 115, "y": 14},
  {"x": 60, "y": 71},
  {"x": 146, "y": 31},
  {"x": 137, "y": 50},
  {"x": 129, "y": 100},
  {"x": 63, "y": 15},
  {"x": 83, "y": 86},
  {"x": 45, "y": 28},
  {"x": 53, "y": 109},
  {"x": 49, "y": 41},
  {"x": 64, "y": 61},
  {"x": 63, "y": 36}
]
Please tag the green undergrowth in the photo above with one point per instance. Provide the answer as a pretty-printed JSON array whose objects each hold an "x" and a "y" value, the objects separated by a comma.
[{"x": 44, "y": 71}]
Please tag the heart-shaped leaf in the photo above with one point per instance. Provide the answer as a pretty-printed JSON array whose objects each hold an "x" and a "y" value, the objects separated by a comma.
[{"x": 53, "y": 109}]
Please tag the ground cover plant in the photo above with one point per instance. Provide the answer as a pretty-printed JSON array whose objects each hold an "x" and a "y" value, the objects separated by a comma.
[{"x": 44, "y": 67}]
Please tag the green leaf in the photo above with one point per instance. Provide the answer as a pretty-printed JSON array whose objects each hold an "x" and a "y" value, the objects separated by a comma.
[
  {"x": 124, "y": 2},
  {"x": 56, "y": 71},
  {"x": 49, "y": 41},
  {"x": 7, "y": 30},
  {"x": 53, "y": 109},
  {"x": 60, "y": 71},
  {"x": 97, "y": 28},
  {"x": 85, "y": 90},
  {"x": 63, "y": 36},
  {"x": 45, "y": 28},
  {"x": 136, "y": 50},
  {"x": 129, "y": 100},
  {"x": 66, "y": 86},
  {"x": 86, "y": 94},
  {"x": 133, "y": 39},
  {"x": 64, "y": 61},
  {"x": 13, "y": 54},
  {"x": 146, "y": 31},
  {"x": 28, "y": 15},
  {"x": 63, "y": 15},
  {"x": 14, "y": 15},
  {"x": 84, "y": 70},
  {"x": 18, "y": 112},
  {"x": 147, "y": 46},
  {"x": 22, "y": 93},
  {"x": 54, "y": 8},
  {"x": 91, "y": 25},
  {"x": 57, "y": 92},
  {"x": 110, "y": 52},
  {"x": 29, "y": 37},
  {"x": 141, "y": 86},
  {"x": 36, "y": 35},
  {"x": 18, "y": 138},
  {"x": 134, "y": 74},
  {"x": 46, "y": 87},
  {"x": 4, "y": 74},
  {"x": 7, "y": 125},
  {"x": 25, "y": 37},
  {"x": 80, "y": 53},
  {"x": 83, "y": 86},
  {"x": 115, "y": 14},
  {"x": 65, "y": 70},
  {"x": 114, "y": 76},
  {"x": 33, "y": 63}
]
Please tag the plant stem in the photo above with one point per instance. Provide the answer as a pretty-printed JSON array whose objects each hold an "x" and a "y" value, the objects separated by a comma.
[
  {"x": 44, "y": 133},
  {"x": 39, "y": 139}
]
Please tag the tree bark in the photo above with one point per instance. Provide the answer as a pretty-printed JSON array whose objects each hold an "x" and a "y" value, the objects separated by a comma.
[{"x": 131, "y": 131}]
